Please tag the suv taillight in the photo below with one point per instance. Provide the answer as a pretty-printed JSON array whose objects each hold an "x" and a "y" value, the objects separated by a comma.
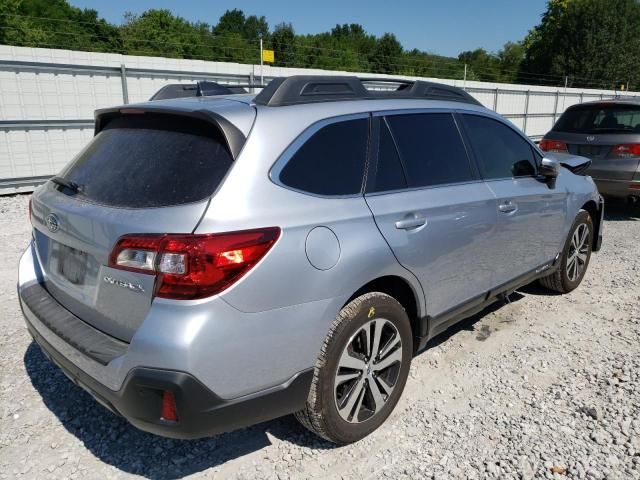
[
  {"x": 193, "y": 266},
  {"x": 553, "y": 146},
  {"x": 626, "y": 150}
]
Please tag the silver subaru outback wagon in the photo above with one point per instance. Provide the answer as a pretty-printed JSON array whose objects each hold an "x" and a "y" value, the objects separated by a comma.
[{"x": 209, "y": 263}]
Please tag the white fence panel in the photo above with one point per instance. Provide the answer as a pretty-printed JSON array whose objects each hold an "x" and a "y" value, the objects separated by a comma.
[{"x": 48, "y": 96}]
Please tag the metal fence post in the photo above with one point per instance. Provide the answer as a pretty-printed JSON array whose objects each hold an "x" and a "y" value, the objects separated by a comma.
[
  {"x": 495, "y": 101},
  {"x": 526, "y": 111},
  {"x": 252, "y": 90},
  {"x": 555, "y": 107},
  {"x": 123, "y": 78},
  {"x": 581, "y": 97}
]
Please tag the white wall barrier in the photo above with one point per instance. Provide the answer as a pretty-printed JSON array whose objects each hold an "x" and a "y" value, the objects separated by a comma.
[{"x": 47, "y": 100}]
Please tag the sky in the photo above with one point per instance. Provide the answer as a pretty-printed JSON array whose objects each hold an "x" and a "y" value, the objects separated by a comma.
[{"x": 436, "y": 26}]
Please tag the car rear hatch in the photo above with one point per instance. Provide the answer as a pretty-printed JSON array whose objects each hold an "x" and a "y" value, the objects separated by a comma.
[
  {"x": 606, "y": 132},
  {"x": 147, "y": 171}
]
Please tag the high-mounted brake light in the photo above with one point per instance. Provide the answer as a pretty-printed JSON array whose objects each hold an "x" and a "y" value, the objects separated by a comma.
[
  {"x": 193, "y": 266},
  {"x": 627, "y": 150},
  {"x": 553, "y": 146}
]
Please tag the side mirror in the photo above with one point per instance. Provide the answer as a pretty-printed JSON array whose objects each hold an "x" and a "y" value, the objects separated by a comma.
[{"x": 549, "y": 168}]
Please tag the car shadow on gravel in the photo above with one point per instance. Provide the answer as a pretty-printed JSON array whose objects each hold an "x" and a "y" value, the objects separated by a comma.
[
  {"x": 469, "y": 324},
  {"x": 114, "y": 441},
  {"x": 619, "y": 211}
]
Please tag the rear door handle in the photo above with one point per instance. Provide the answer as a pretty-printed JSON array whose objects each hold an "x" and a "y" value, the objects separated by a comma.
[
  {"x": 507, "y": 207},
  {"x": 410, "y": 223}
]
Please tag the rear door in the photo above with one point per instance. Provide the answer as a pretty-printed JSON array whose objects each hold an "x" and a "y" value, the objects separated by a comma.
[
  {"x": 531, "y": 212},
  {"x": 142, "y": 173},
  {"x": 430, "y": 206}
]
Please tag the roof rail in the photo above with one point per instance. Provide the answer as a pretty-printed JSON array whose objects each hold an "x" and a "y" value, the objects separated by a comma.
[
  {"x": 301, "y": 89},
  {"x": 200, "y": 89}
]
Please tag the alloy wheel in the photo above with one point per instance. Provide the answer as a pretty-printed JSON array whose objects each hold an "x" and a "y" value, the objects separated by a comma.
[
  {"x": 578, "y": 252},
  {"x": 368, "y": 370}
]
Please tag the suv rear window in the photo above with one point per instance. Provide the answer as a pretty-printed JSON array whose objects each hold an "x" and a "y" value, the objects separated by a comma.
[
  {"x": 600, "y": 118},
  {"x": 151, "y": 160}
]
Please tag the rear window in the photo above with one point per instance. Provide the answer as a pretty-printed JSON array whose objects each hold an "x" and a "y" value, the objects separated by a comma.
[
  {"x": 151, "y": 160},
  {"x": 600, "y": 118}
]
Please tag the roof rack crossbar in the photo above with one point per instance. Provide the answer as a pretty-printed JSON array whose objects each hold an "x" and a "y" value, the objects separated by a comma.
[{"x": 301, "y": 89}]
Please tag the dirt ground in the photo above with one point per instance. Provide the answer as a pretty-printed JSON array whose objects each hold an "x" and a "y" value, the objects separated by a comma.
[{"x": 544, "y": 387}]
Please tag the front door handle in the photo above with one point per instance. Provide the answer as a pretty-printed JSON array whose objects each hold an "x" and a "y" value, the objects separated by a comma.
[
  {"x": 410, "y": 223},
  {"x": 507, "y": 207}
]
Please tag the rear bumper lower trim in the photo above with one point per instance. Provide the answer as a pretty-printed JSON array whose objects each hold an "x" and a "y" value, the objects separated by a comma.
[{"x": 201, "y": 412}]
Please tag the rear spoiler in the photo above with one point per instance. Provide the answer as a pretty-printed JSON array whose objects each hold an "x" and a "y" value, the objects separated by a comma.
[{"x": 233, "y": 137}]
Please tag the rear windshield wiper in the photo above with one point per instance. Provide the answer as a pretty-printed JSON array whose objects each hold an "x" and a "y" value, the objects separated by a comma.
[{"x": 63, "y": 182}]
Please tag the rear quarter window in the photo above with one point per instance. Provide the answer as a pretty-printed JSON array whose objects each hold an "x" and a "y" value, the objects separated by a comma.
[
  {"x": 151, "y": 160},
  {"x": 331, "y": 162}
]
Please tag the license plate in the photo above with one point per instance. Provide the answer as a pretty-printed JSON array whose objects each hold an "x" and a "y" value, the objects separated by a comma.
[
  {"x": 72, "y": 264},
  {"x": 588, "y": 150}
]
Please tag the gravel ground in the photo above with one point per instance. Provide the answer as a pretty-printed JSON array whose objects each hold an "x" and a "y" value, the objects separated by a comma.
[{"x": 544, "y": 387}]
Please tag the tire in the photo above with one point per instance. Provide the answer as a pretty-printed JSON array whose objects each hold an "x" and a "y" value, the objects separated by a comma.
[
  {"x": 564, "y": 280},
  {"x": 364, "y": 406}
]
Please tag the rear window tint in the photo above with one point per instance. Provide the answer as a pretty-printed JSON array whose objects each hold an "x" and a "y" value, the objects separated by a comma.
[
  {"x": 389, "y": 174},
  {"x": 331, "y": 162},
  {"x": 150, "y": 160},
  {"x": 600, "y": 118},
  {"x": 431, "y": 149}
]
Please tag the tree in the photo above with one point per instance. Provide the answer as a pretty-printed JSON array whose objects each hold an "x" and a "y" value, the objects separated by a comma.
[
  {"x": 55, "y": 24},
  {"x": 481, "y": 65},
  {"x": 159, "y": 32},
  {"x": 510, "y": 60},
  {"x": 386, "y": 56},
  {"x": 283, "y": 43},
  {"x": 231, "y": 21},
  {"x": 595, "y": 42},
  {"x": 255, "y": 27}
]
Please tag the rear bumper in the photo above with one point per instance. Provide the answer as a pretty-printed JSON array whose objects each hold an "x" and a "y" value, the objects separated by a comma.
[
  {"x": 201, "y": 412},
  {"x": 206, "y": 367},
  {"x": 619, "y": 188}
]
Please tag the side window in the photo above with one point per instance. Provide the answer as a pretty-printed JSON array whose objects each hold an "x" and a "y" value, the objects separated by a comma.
[
  {"x": 431, "y": 149},
  {"x": 389, "y": 174},
  {"x": 332, "y": 161},
  {"x": 500, "y": 151}
]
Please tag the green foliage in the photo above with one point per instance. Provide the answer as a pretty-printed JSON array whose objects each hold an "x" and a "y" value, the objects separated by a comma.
[
  {"x": 55, "y": 24},
  {"x": 596, "y": 43},
  {"x": 283, "y": 44}
]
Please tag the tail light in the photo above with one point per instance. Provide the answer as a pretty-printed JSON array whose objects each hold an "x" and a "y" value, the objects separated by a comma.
[
  {"x": 193, "y": 266},
  {"x": 553, "y": 146},
  {"x": 626, "y": 150}
]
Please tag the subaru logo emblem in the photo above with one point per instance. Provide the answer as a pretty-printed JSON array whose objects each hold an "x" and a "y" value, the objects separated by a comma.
[
  {"x": 590, "y": 138},
  {"x": 52, "y": 222}
]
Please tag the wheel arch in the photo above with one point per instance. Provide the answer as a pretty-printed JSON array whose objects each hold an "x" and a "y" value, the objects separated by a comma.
[
  {"x": 594, "y": 212},
  {"x": 400, "y": 289}
]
